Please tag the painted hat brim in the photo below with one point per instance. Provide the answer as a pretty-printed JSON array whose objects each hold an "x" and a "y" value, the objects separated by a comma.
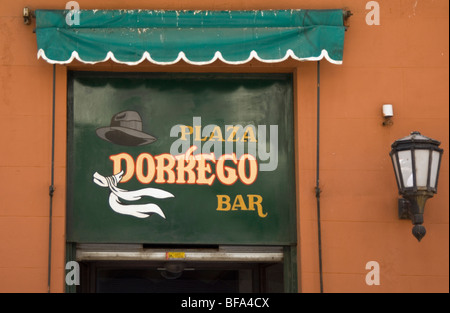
[{"x": 124, "y": 136}]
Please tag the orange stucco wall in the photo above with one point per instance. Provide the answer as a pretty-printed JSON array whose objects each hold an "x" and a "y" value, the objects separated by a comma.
[{"x": 403, "y": 61}]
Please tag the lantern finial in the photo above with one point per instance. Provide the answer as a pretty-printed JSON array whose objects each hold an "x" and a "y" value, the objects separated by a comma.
[{"x": 419, "y": 231}]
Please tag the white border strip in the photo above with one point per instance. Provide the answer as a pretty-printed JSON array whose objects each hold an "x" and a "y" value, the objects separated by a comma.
[
  {"x": 182, "y": 56},
  {"x": 188, "y": 256}
]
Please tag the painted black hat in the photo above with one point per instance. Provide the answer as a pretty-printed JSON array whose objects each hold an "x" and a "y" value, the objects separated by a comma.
[{"x": 125, "y": 130}]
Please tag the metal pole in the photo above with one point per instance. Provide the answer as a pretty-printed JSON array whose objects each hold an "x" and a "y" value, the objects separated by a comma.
[
  {"x": 51, "y": 188},
  {"x": 318, "y": 191}
]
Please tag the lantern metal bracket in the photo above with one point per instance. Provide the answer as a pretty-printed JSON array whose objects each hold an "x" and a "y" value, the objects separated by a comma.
[
  {"x": 404, "y": 209},
  {"x": 413, "y": 209}
]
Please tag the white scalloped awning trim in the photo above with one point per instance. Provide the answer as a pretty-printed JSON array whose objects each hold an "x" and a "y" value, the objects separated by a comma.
[{"x": 182, "y": 56}]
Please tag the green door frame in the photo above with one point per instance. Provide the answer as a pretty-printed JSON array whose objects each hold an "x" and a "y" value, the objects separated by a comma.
[{"x": 289, "y": 251}]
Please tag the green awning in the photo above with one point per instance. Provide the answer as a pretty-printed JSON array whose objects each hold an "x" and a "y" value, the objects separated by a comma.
[{"x": 197, "y": 37}]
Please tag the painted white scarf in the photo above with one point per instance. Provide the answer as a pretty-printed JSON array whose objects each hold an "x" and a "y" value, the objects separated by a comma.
[{"x": 137, "y": 210}]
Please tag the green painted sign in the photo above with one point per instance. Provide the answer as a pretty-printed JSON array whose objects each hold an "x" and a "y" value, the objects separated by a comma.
[{"x": 181, "y": 158}]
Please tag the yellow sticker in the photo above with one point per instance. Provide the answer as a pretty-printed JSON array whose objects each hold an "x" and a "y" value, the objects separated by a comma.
[{"x": 175, "y": 255}]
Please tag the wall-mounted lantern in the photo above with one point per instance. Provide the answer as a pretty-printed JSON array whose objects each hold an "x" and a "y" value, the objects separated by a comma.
[{"x": 416, "y": 160}]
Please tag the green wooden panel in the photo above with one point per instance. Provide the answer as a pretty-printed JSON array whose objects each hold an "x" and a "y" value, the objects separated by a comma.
[{"x": 178, "y": 103}]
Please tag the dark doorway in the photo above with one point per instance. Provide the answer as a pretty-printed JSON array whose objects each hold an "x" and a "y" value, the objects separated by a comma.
[{"x": 173, "y": 277}]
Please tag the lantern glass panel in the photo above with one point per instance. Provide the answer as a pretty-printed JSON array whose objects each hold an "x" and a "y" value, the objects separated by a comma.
[
  {"x": 405, "y": 161},
  {"x": 435, "y": 158},
  {"x": 397, "y": 174},
  {"x": 422, "y": 159}
]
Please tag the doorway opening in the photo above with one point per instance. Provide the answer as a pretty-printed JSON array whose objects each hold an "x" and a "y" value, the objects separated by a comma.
[{"x": 180, "y": 277}]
